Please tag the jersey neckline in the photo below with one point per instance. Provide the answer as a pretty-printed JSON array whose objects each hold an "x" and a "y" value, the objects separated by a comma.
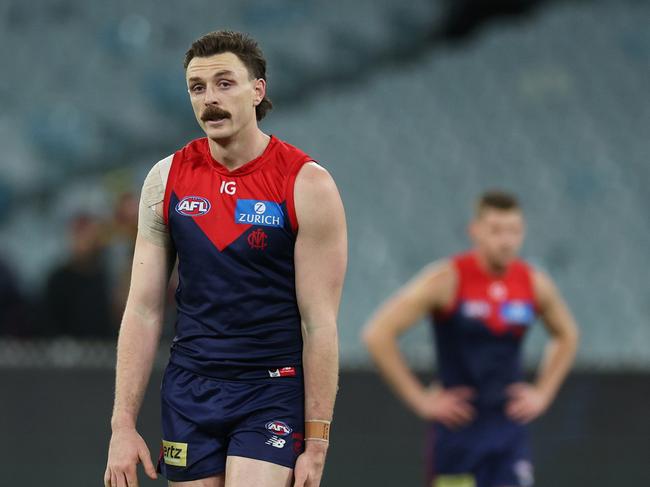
[
  {"x": 245, "y": 168},
  {"x": 487, "y": 273}
]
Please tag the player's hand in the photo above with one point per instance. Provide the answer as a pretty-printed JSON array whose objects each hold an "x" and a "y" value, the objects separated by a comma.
[
  {"x": 126, "y": 450},
  {"x": 309, "y": 466},
  {"x": 450, "y": 406},
  {"x": 525, "y": 403}
]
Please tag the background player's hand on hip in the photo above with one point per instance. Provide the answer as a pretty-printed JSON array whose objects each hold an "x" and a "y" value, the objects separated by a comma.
[
  {"x": 525, "y": 402},
  {"x": 449, "y": 406},
  {"x": 126, "y": 450}
]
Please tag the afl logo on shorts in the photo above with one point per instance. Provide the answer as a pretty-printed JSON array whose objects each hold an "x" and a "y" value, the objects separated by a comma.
[
  {"x": 278, "y": 428},
  {"x": 193, "y": 206}
]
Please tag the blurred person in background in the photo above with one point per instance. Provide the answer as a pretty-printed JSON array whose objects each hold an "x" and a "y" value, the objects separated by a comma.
[
  {"x": 14, "y": 317},
  {"x": 77, "y": 294},
  {"x": 122, "y": 231},
  {"x": 482, "y": 303},
  {"x": 259, "y": 231},
  {"x": 462, "y": 17}
]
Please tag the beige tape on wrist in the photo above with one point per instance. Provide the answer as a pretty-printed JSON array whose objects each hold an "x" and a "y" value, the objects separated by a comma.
[{"x": 317, "y": 430}]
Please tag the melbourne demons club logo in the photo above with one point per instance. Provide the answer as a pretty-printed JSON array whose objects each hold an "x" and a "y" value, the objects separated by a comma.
[
  {"x": 257, "y": 239},
  {"x": 498, "y": 291}
]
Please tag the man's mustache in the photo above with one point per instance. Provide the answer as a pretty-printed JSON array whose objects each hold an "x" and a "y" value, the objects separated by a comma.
[{"x": 214, "y": 113}]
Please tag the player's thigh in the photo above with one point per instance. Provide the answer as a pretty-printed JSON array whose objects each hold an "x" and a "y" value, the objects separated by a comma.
[
  {"x": 214, "y": 481},
  {"x": 245, "y": 472}
]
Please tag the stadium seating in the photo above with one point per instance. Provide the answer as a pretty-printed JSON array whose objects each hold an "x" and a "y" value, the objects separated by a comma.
[{"x": 556, "y": 110}]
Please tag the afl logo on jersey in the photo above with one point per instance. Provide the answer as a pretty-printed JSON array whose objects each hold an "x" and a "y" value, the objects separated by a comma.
[
  {"x": 476, "y": 309},
  {"x": 193, "y": 206}
]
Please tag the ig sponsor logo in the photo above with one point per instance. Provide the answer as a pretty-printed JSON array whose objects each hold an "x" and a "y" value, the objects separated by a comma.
[{"x": 228, "y": 187}]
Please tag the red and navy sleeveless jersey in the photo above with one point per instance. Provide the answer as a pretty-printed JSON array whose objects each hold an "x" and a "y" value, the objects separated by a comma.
[
  {"x": 478, "y": 338},
  {"x": 234, "y": 233}
]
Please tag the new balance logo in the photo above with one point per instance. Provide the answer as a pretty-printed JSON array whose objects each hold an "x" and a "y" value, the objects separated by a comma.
[{"x": 276, "y": 442}]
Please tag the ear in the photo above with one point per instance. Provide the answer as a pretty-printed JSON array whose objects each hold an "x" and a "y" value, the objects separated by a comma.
[{"x": 260, "y": 91}]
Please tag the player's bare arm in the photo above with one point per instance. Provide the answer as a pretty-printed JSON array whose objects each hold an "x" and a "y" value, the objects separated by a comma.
[
  {"x": 527, "y": 402},
  {"x": 432, "y": 289},
  {"x": 320, "y": 263},
  {"x": 138, "y": 339}
]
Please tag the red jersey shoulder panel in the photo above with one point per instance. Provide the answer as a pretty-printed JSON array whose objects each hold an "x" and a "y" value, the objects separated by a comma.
[
  {"x": 461, "y": 264},
  {"x": 522, "y": 273},
  {"x": 289, "y": 190}
]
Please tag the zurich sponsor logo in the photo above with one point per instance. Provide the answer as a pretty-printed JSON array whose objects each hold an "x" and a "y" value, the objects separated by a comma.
[
  {"x": 517, "y": 312},
  {"x": 255, "y": 212},
  {"x": 278, "y": 428},
  {"x": 193, "y": 206}
]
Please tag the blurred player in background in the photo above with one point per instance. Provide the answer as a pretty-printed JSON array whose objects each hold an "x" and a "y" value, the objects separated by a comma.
[
  {"x": 80, "y": 286},
  {"x": 482, "y": 303},
  {"x": 259, "y": 232}
]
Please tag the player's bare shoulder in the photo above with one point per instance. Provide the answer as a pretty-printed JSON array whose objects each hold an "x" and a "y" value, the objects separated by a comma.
[
  {"x": 151, "y": 224},
  {"x": 314, "y": 180},
  {"x": 438, "y": 280},
  {"x": 544, "y": 288},
  {"x": 153, "y": 188},
  {"x": 316, "y": 195}
]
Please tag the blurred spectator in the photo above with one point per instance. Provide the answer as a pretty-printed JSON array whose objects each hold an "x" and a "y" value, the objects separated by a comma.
[
  {"x": 122, "y": 231},
  {"x": 13, "y": 313},
  {"x": 120, "y": 244},
  {"x": 463, "y": 17},
  {"x": 77, "y": 299}
]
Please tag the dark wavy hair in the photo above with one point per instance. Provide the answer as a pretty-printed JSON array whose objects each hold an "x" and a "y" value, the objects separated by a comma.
[{"x": 241, "y": 45}]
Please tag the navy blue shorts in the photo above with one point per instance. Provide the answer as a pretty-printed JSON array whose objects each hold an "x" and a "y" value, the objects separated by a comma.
[
  {"x": 492, "y": 451},
  {"x": 205, "y": 420}
]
